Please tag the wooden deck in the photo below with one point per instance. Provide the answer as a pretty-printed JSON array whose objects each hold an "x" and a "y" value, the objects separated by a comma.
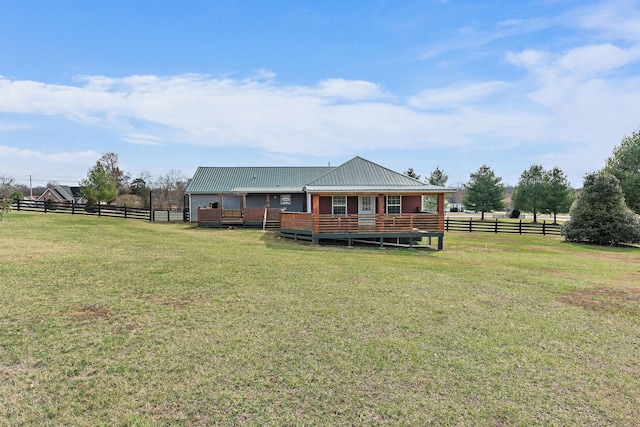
[
  {"x": 383, "y": 229},
  {"x": 247, "y": 217}
]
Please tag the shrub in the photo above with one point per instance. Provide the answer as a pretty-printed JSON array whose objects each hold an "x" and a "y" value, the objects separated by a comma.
[
  {"x": 600, "y": 215},
  {"x": 50, "y": 205},
  {"x": 515, "y": 213}
]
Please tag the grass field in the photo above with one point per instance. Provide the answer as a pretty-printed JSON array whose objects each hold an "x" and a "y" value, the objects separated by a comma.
[{"x": 120, "y": 322}]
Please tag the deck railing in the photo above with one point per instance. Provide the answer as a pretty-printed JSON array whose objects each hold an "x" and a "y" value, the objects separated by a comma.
[
  {"x": 245, "y": 215},
  {"x": 377, "y": 223}
]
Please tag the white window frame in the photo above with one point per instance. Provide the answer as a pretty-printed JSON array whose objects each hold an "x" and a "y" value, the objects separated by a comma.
[
  {"x": 394, "y": 205},
  {"x": 339, "y": 202}
]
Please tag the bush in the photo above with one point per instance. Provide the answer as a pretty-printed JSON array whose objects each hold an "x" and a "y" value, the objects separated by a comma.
[
  {"x": 515, "y": 213},
  {"x": 600, "y": 214},
  {"x": 50, "y": 205},
  {"x": 91, "y": 205}
]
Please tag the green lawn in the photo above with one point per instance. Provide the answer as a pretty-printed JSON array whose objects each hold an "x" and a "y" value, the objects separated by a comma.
[{"x": 122, "y": 322}]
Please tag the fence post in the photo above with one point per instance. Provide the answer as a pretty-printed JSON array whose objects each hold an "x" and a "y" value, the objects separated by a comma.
[
  {"x": 99, "y": 212},
  {"x": 520, "y": 227},
  {"x": 496, "y": 227},
  {"x": 446, "y": 224},
  {"x": 168, "y": 216},
  {"x": 544, "y": 223},
  {"x": 470, "y": 225},
  {"x": 73, "y": 207},
  {"x": 125, "y": 211},
  {"x": 18, "y": 203}
]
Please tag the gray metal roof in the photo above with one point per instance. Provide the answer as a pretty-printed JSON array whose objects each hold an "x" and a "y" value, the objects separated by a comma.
[
  {"x": 361, "y": 176},
  {"x": 357, "y": 175},
  {"x": 254, "y": 179}
]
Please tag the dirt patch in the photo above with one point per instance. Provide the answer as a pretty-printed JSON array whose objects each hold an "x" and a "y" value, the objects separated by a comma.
[
  {"x": 91, "y": 311},
  {"x": 603, "y": 299}
]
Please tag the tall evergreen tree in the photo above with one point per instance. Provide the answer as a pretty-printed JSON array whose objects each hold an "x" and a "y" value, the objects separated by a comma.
[
  {"x": 485, "y": 191},
  {"x": 411, "y": 173},
  {"x": 438, "y": 177},
  {"x": 624, "y": 164},
  {"x": 560, "y": 195},
  {"x": 600, "y": 214},
  {"x": 530, "y": 193}
]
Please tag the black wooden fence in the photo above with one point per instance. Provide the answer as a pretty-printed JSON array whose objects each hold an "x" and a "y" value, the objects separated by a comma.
[
  {"x": 472, "y": 225},
  {"x": 49, "y": 206}
]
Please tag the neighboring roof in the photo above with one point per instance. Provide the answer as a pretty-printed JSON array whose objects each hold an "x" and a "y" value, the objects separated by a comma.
[
  {"x": 359, "y": 175},
  {"x": 254, "y": 179},
  {"x": 64, "y": 192}
]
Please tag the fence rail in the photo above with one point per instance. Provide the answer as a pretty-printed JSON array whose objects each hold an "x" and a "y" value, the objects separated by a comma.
[
  {"x": 472, "y": 225},
  {"x": 84, "y": 209}
]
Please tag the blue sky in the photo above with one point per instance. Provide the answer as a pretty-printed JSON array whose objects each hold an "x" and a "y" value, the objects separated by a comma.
[{"x": 173, "y": 85}]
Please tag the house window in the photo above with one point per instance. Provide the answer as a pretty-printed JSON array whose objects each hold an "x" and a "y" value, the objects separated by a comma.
[
  {"x": 339, "y": 205},
  {"x": 393, "y": 204}
]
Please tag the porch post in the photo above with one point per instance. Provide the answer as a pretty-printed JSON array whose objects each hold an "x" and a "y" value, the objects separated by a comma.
[
  {"x": 441, "y": 212},
  {"x": 315, "y": 209},
  {"x": 380, "y": 211}
]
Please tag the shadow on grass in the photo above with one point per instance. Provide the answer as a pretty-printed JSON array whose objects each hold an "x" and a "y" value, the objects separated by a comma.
[{"x": 272, "y": 240}]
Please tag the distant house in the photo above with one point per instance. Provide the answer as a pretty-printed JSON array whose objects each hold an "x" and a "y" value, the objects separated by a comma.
[
  {"x": 356, "y": 201},
  {"x": 62, "y": 193}
]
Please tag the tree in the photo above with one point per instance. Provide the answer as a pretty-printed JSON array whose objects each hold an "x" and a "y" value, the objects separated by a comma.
[
  {"x": 99, "y": 185},
  {"x": 411, "y": 174},
  {"x": 530, "y": 193},
  {"x": 438, "y": 177},
  {"x": 110, "y": 163},
  {"x": 624, "y": 164},
  {"x": 140, "y": 188},
  {"x": 5, "y": 206},
  {"x": 485, "y": 191},
  {"x": 7, "y": 186},
  {"x": 560, "y": 195},
  {"x": 600, "y": 215},
  {"x": 169, "y": 190}
]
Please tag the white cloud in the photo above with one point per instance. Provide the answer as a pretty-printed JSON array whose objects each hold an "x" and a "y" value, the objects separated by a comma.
[
  {"x": 64, "y": 167},
  {"x": 597, "y": 58},
  {"x": 353, "y": 90},
  {"x": 459, "y": 95}
]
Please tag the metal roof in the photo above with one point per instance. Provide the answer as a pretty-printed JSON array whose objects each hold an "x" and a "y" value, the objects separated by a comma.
[
  {"x": 360, "y": 175},
  {"x": 357, "y": 175},
  {"x": 207, "y": 180}
]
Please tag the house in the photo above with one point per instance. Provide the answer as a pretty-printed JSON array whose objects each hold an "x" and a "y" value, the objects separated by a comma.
[
  {"x": 358, "y": 201},
  {"x": 62, "y": 193}
]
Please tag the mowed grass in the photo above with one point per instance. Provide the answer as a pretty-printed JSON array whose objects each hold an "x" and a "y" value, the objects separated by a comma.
[{"x": 121, "y": 322}]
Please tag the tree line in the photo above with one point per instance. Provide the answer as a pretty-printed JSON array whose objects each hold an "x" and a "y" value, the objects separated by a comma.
[
  {"x": 605, "y": 211},
  {"x": 107, "y": 183}
]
